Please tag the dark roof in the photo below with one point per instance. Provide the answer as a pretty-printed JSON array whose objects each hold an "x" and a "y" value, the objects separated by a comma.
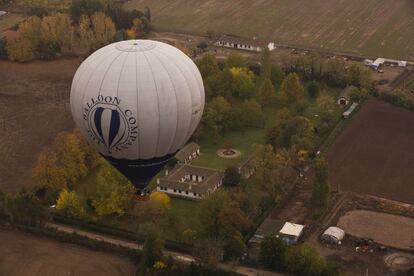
[
  {"x": 268, "y": 227},
  {"x": 173, "y": 180},
  {"x": 242, "y": 40},
  {"x": 346, "y": 92},
  {"x": 186, "y": 151}
]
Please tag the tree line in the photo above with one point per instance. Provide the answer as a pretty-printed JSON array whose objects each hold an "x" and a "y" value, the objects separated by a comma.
[{"x": 88, "y": 26}]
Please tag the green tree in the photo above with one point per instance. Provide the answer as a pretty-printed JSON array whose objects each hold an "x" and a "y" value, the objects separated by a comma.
[
  {"x": 84, "y": 7},
  {"x": 266, "y": 69},
  {"x": 360, "y": 76},
  {"x": 321, "y": 189},
  {"x": 252, "y": 114},
  {"x": 236, "y": 60},
  {"x": 26, "y": 208},
  {"x": 277, "y": 75},
  {"x": 113, "y": 192},
  {"x": 267, "y": 93},
  {"x": 273, "y": 253},
  {"x": 334, "y": 72},
  {"x": 291, "y": 89},
  {"x": 242, "y": 83},
  {"x": 208, "y": 66},
  {"x": 313, "y": 88},
  {"x": 231, "y": 177},
  {"x": 69, "y": 204},
  {"x": 358, "y": 95},
  {"x": 151, "y": 252}
]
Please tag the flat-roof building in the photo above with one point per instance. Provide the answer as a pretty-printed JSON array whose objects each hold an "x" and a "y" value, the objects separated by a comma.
[
  {"x": 190, "y": 181},
  {"x": 241, "y": 43}
]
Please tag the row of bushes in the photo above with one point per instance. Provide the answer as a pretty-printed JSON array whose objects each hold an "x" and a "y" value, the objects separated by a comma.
[
  {"x": 124, "y": 234},
  {"x": 396, "y": 99}
]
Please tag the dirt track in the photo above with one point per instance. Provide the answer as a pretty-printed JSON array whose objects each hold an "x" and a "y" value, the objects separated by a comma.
[
  {"x": 32, "y": 112},
  {"x": 25, "y": 254},
  {"x": 375, "y": 153},
  {"x": 386, "y": 229}
]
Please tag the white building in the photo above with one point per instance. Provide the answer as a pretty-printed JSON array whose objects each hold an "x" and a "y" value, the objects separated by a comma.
[
  {"x": 235, "y": 42},
  {"x": 190, "y": 182},
  {"x": 333, "y": 235},
  {"x": 291, "y": 232},
  {"x": 386, "y": 61}
]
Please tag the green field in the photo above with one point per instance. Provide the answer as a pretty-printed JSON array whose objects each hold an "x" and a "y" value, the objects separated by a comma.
[
  {"x": 9, "y": 20},
  {"x": 369, "y": 27}
]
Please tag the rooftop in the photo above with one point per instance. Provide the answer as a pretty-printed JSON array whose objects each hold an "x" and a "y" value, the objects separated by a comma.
[
  {"x": 346, "y": 92},
  {"x": 292, "y": 229},
  {"x": 210, "y": 178},
  {"x": 186, "y": 151}
]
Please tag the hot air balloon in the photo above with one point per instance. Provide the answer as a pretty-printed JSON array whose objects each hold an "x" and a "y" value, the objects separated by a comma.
[{"x": 137, "y": 102}]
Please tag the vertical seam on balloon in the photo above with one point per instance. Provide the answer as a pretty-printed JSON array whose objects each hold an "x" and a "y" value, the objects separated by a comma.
[
  {"x": 137, "y": 94},
  {"x": 89, "y": 80},
  {"x": 189, "y": 132},
  {"x": 158, "y": 102},
  {"x": 176, "y": 101},
  {"x": 84, "y": 92},
  {"x": 189, "y": 89},
  {"x": 107, "y": 70}
]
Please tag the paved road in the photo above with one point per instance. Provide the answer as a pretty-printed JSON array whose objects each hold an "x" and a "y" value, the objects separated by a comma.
[{"x": 183, "y": 258}]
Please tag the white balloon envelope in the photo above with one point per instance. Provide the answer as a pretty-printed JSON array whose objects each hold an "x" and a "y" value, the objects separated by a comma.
[{"x": 137, "y": 102}]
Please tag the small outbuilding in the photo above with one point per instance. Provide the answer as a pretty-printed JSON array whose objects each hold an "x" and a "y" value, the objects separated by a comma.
[
  {"x": 291, "y": 232},
  {"x": 188, "y": 153},
  {"x": 351, "y": 109},
  {"x": 333, "y": 235},
  {"x": 345, "y": 95}
]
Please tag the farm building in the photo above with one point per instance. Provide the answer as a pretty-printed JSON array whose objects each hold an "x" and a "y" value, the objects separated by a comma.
[
  {"x": 2, "y": 13},
  {"x": 268, "y": 227},
  {"x": 188, "y": 153},
  {"x": 345, "y": 95},
  {"x": 291, "y": 232},
  {"x": 190, "y": 182},
  {"x": 386, "y": 61},
  {"x": 236, "y": 42},
  {"x": 247, "y": 166}
]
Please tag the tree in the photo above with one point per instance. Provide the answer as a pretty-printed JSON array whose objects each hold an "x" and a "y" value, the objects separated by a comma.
[
  {"x": 69, "y": 204},
  {"x": 360, "y": 76},
  {"x": 325, "y": 101},
  {"x": 20, "y": 49},
  {"x": 273, "y": 253},
  {"x": 203, "y": 45},
  {"x": 208, "y": 66},
  {"x": 267, "y": 93},
  {"x": 25, "y": 208},
  {"x": 266, "y": 69},
  {"x": 231, "y": 177},
  {"x": 103, "y": 29},
  {"x": 84, "y": 7},
  {"x": 242, "y": 85},
  {"x": 235, "y": 60},
  {"x": 161, "y": 198},
  {"x": 252, "y": 114},
  {"x": 57, "y": 30},
  {"x": 313, "y": 88},
  {"x": 136, "y": 29},
  {"x": 357, "y": 95},
  {"x": 291, "y": 89},
  {"x": 86, "y": 35},
  {"x": 334, "y": 72},
  {"x": 3, "y": 48},
  {"x": 277, "y": 75},
  {"x": 113, "y": 192},
  {"x": 151, "y": 252},
  {"x": 321, "y": 189}
]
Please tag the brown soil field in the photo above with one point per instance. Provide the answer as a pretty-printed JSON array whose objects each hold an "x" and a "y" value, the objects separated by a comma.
[
  {"x": 26, "y": 254},
  {"x": 386, "y": 229},
  {"x": 33, "y": 109},
  {"x": 375, "y": 153}
]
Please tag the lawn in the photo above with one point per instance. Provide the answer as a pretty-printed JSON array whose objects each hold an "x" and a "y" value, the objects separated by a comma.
[
  {"x": 9, "y": 20},
  {"x": 370, "y": 27},
  {"x": 241, "y": 140}
]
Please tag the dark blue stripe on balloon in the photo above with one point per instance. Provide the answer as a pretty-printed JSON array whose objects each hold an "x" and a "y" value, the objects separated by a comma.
[
  {"x": 114, "y": 126},
  {"x": 98, "y": 121}
]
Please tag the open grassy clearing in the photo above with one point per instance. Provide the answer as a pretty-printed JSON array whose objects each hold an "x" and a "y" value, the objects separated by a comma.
[
  {"x": 9, "y": 20},
  {"x": 371, "y": 27}
]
